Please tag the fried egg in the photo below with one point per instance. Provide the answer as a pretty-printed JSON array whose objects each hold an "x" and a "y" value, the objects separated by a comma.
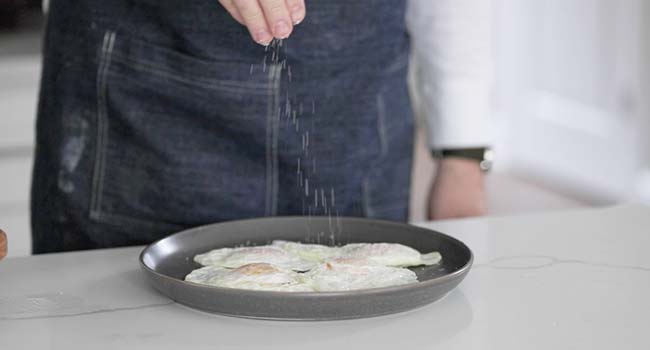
[
  {"x": 388, "y": 254},
  {"x": 351, "y": 274},
  {"x": 299, "y": 267},
  {"x": 236, "y": 257},
  {"x": 311, "y": 252},
  {"x": 257, "y": 276}
]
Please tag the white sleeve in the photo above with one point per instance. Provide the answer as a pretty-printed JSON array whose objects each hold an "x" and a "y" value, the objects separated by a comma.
[{"x": 452, "y": 70}]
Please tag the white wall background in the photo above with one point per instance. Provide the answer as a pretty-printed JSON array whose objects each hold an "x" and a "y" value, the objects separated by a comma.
[{"x": 572, "y": 95}]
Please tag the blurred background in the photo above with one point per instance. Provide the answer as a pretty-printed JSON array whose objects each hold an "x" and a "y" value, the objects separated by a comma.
[{"x": 571, "y": 111}]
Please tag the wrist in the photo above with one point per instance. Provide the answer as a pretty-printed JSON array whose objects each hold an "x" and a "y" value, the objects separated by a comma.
[{"x": 460, "y": 169}]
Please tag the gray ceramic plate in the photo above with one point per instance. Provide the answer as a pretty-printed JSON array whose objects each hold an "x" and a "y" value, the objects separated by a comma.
[{"x": 167, "y": 261}]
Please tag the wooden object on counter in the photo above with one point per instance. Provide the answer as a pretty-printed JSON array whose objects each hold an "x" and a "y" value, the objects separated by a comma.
[{"x": 3, "y": 244}]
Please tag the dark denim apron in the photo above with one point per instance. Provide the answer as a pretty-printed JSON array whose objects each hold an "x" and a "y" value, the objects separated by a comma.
[{"x": 158, "y": 115}]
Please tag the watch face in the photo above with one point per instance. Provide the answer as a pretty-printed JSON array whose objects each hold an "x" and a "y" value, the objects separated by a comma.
[{"x": 488, "y": 160}]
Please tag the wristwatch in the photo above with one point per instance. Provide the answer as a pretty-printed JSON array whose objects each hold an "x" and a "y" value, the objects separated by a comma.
[{"x": 483, "y": 155}]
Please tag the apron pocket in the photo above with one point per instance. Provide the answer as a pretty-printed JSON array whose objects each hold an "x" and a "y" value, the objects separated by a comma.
[{"x": 180, "y": 140}]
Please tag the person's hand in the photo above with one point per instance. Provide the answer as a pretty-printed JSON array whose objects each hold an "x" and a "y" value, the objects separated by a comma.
[
  {"x": 266, "y": 19},
  {"x": 457, "y": 191}
]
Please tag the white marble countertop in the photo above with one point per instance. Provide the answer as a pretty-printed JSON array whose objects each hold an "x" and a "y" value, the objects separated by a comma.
[{"x": 565, "y": 280}]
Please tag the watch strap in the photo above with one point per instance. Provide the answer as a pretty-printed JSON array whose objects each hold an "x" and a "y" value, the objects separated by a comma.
[
  {"x": 477, "y": 153},
  {"x": 483, "y": 155}
]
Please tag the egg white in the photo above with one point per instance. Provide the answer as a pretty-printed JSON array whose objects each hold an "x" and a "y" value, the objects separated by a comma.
[
  {"x": 388, "y": 254},
  {"x": 258, "y": 276},
  {"x": 349, "y": 274},
  {"x": 236, "y": 257},
  {"x": 311, "y": 252}
]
